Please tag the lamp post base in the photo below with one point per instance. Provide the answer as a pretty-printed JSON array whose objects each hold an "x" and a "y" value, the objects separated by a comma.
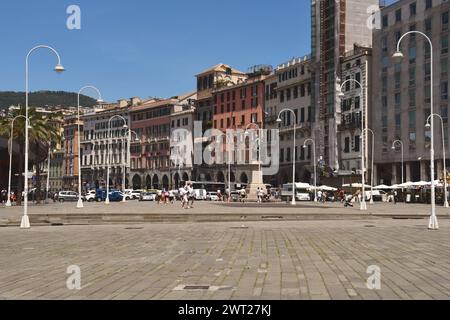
[
  {"x": 8, "y": 203},
  {"x": 107, "y": 201},
  {"x": 80, "y": 204},
  {"x": 433, "y": 225},
  {"x": 25, "y": 223},
  {"x": 446, "y": 205},
  {"x": 124, "y": 200},
  {"x": 363, "y": 206},
  {"x": 293, "y": 202}
]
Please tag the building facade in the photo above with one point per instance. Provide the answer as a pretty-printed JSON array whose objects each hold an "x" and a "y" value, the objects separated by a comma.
[
  {"x": 336, "y": 27},
  {"x": 105, "y": 143},
  {"x": 402, "y": 89},
  {"x": 290, "y": 88}
]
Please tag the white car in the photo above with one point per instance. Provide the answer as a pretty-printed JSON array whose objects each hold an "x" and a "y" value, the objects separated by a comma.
[
  {"x": 147, "y": 196},
  {"x": 126, "y": 196},
  {"x": 135, "y": 194},
  {"x": 90, "y": 196},
  {"x": 212, "y": 196}
]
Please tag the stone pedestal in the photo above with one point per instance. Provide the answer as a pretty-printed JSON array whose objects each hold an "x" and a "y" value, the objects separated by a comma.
[{"x": 255, "y": 183}]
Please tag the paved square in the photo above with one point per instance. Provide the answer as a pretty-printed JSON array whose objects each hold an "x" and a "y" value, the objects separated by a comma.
[{"x": 258, "y": 260}]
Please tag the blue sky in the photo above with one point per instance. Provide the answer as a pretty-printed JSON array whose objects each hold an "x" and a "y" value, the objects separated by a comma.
[{"x": 146, "y": 48}]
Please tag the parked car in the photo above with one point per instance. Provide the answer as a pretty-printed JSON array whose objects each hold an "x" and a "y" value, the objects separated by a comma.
[
  {"x": 200, "y": 194},
  {"x": 147, "y": 196},
  {"x": 235, "y": 196},
  {"x": 378, "y": 195},
  {"x": 212, "y": 196},
  {"x": 64, "y": 196},
  {"x": 135, "y": 194},
  {"x": 114, "y": 195},
  {"x": 90, "y": 196}
]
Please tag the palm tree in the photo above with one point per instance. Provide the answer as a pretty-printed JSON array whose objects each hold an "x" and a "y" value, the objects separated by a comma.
[{"x": 42, "y": 135}]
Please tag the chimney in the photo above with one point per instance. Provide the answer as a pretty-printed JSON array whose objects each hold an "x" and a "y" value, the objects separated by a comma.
[
  {"x": 123, "y": 103},
  {"x": 135, "y": 101}
]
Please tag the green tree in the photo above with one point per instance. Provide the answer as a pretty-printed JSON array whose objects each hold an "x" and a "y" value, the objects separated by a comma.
[{"x": 42, "y": 135}]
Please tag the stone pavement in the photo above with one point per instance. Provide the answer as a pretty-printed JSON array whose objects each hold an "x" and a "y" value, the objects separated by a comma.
[
  {"x": 264, "y": 260},
  {"x": 150, "y": 212}
]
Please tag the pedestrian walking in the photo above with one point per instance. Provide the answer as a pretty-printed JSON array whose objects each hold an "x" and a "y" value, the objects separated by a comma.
[
  {"x": 243, "y": 194},
  {"x": 191, "y": 196}
]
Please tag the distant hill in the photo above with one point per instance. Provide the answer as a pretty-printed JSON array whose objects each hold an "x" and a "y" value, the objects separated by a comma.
[{"x": 44, "y": 98}]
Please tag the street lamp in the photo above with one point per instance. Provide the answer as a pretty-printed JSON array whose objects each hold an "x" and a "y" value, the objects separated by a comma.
[
  {"x": 372, "y": 172},
  {"x": 398, "y": 55},
  {"x": 293, "y": 150},
  {"x": 315, "y": 165},
  {"x": 25, "y": 223},
  {"x": 48, "y": 170},
  {"x": 128, "y": 133},
  {"x": 99, "y": 100},
  {"x": 443, "y": 154},
  {"x": 364, "y": 122},
  {"x": 8, "y": 201},
  {"x": 125, "y": 126},
  {"x": 403, "y": 162}
]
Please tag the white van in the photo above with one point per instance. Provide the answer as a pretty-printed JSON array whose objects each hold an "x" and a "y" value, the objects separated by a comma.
[
  {"x": 302, "y": 192},
  {"x": 200, "y": 194}
]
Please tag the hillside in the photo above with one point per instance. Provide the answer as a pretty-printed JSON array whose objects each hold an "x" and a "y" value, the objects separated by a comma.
[{"x": 44, "y": 98}]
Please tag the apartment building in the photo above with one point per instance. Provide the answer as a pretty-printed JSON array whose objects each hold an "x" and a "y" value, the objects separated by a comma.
[
  {"x": 289, "y": 88},
  {"x": 402, "y": 89},
  {"x": 70, "y": 158},
  {"x": 104, "y": 136},
  {"x": 355, "y": 68},
  {"x": 209, "y": 80},
  {"x": 239, "y": 106},
  {"x": 337, "y": 25}
]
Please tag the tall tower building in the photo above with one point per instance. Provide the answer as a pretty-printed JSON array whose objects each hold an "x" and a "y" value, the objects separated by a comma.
[{"x": 337, "y": 25}]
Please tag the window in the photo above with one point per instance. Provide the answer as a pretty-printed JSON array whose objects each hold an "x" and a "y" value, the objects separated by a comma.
[
  {"x": 428, "y": 4},
  {"x": 412, "y": 55},
  {"x": 444, "y": 113},
  {"x": 288, "y": 154},
  {"x": 347, "y": 145},
  {"x": 357, "y": 78},
  {"x": 357, "y": 102},
  {"x": 397, "y": 100},
  {"x": 412, "y": 97},
  {"x": 444, "y": 66},
  {"x": 444, "y": 19},
  {"x": 444, "y": 44},
  {"x": 357, "y": 143},
  {"x": 444, "y": 90},
  {"x": 428, "y": 25},
  {"x": 385, "y": 21},
  {"x": 398, "y": 121},
  {"x": 412, "y": 9},
  {"x": 384, "y": 44},
  {"x": 281, "y": 155},
  {"x": 398, "y": 15},
  {"x": 412, "y": 119},
  {"x": 412, "y": 76}
]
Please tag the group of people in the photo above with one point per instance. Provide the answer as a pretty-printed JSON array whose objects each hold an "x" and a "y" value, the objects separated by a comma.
[
  {"x": 4, "y": 196},
  {"x": 187, "y": 196}
]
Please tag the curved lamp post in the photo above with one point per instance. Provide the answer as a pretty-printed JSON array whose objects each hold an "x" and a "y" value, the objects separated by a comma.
[
  {"x": 443, "y": 154},
  {"x": 99, "y": 100},
  {"x": 8, "y": 201},
  {"x": 363, "y": 205},
  {"x": 403, "y": 157},
  {"x": 372, "y": 173},
  {"x": 398, "y": 55},
  {"x": 128, "y": 135},
  {"x": 125, "y": 126},
  {"x": 315, "y": 164},
  {"x": 25, "y": 223},
  {"x": 293, "y": 151}
]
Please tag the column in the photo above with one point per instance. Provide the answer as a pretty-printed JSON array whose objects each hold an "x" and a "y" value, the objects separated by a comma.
[
  {"x": 394, "y": 174},
  {"x": 439, "y": 170},
  {"x": 408, "y": 171},
  {"x": 423, "y": 174}
]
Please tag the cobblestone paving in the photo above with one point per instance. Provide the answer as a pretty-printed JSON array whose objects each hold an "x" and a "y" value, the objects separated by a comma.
[{"x": 267, "y": 260}]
